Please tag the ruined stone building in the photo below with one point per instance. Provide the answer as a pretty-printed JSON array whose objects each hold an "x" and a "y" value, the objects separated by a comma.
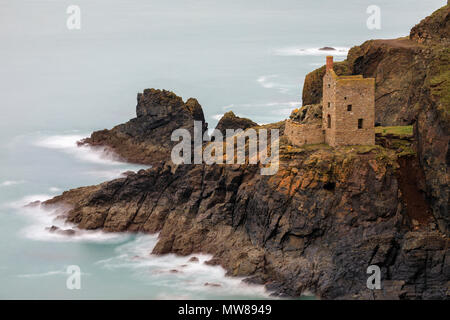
[{"x": 348, "y": 113}]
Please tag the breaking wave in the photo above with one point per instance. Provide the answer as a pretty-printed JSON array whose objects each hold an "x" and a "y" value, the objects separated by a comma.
[
  {"x": 68, "y": 144},
  {"x": 40, "y": 221},
  {"x": 190, "y": 279},
  {"x": 271, "y": 82},
  {"x": 9, "y": 183}
]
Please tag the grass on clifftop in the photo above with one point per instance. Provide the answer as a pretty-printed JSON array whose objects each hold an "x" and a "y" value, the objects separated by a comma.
[
  {"x": 395, "y": 130},
  {"x": 440, "y": 81}
]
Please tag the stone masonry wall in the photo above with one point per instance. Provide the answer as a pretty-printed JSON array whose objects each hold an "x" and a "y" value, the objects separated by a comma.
[
  {"x": 299, "y": 134},
  {"x": 328, "y": 109},
  {"x": 338, "y": 93},
  {"x": 360, "y": 94},
  {"x": 348, "y": 113}
]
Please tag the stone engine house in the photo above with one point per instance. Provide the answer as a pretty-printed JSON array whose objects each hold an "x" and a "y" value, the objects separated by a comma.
[{"x": 348, "y": 113}]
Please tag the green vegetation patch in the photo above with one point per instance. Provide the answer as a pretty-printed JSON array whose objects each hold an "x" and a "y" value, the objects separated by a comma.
[
  {"x": 403, "y": 131},
  {"x": 440, "y": 80}
]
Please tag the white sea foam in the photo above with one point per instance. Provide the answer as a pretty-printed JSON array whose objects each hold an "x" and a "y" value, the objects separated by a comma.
[
  {"x": 47, "y": 274},
  {"x": 108, "y": 174},
  {"x": 8, "y": 183},
  {"x": 271, "y": 82},
  {"x": 40, "y": 220},
  {"x": 299, "y": 51},
  {"x": 188, "y": 278},
  {"x": 68, "y": 144},
  {"x": 21, "y": 203},
  {"x": 40, "y": 275}
]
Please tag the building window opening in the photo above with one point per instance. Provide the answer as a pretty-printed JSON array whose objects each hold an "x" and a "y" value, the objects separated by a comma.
[
  {"x": 349, "y": 107},
  {"x": 329, "y": 121},
  {"x": 360, "y": 123},
  {"x": 329, "y": 86},
  {"x": 329, "y": 104}
]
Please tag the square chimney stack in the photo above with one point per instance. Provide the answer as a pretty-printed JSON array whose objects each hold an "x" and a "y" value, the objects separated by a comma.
[{"x": 329, "y": 63}]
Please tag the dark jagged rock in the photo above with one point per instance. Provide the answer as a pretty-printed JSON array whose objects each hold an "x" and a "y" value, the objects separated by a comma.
[
  {"x": 210, "y": 284},
  {"x": 230, "y": 121},
  {"x": 146, "y": 138},
  {"x": 325, "y": 216},
  {"x": 65, "y": 232},
  {"x": 314, "y": 226}
]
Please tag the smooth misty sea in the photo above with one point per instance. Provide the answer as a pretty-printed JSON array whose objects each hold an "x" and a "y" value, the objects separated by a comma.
[{"x": 58, "y": 85}]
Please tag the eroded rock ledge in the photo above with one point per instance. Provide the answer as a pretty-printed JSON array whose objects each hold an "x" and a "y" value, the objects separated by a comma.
[
  {"x": 328, "y": 213},
  {"x": 146, "y": 138},
  {"x": 315, "y": 226}
]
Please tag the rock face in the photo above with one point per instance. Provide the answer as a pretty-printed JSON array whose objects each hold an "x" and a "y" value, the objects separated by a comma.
[
  {"x": 315, "y": 226},
  {"x": 307, "y": 114},
  {"x": 146, "y": 138},
  {"x": 432, "y": 127},
  {"x": 412, "y": 77},
  {"x": 433, "y": 29},
  {"x": 326, "y": 215},
  {"x": 230, "y": 121}
]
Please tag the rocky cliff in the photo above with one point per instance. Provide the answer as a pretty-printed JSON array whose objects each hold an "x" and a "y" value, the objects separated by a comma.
[
  {"x": 412, "y": 76},
  {"x": 325, "y": 216},
  {"x": 146, "y": 139},
  {"x": 315, "y": 226}
]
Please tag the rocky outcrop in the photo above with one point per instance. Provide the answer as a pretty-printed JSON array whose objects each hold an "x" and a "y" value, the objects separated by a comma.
[
  {"x": 412, "y": 77},
  {"x": 230, "y": 121},
  {"x": 315, "y": 226},
  {"x": 146, "y": 139},
  {"x": 307, "y": 114},
  {"x": 325, "y": 216},
  {"x": 433, "y": 29}
]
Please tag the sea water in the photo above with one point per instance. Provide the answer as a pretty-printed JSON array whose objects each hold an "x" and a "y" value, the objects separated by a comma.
[{"x": 58, "y": 85}]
